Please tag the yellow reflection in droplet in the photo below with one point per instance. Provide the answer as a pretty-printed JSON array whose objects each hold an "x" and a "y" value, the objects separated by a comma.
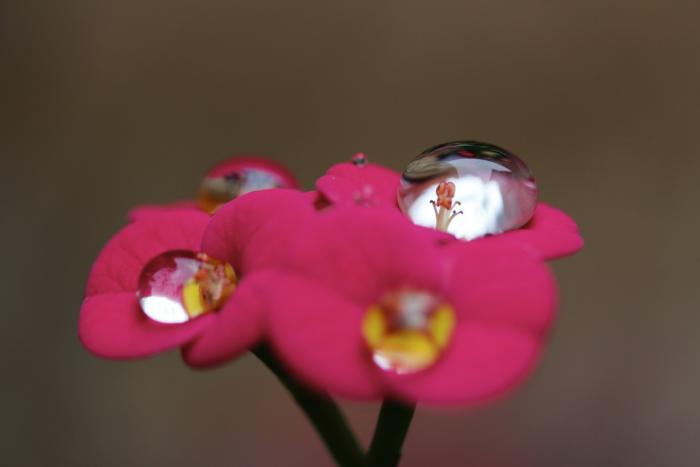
[{"x": 407, "y": 344}]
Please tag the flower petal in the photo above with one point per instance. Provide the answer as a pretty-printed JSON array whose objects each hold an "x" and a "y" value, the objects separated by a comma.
[
  {"x": 481, "y": 363},
  {"x": 237, "y": 326},
  {"x": 112, "y": 325},
  {"x": 120, "y": 262},
  {"x": 550, "y": 234},
  {"x": 253, "y": 231},
  {"x": 347, "y": 184},
  {"x": 496, "y": 283},
  {"x": 149, "y": 210},
  {"x": 361, "y": 253},
  {"x": 317, "y": 334}
]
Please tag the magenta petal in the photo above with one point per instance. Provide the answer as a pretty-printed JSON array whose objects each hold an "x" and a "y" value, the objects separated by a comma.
[
  {"x": 481, "y": 363},
  {"x": 361, "y": 253},
  {"x": 112, "y": 325},
  {"x": 550, "y": 234},
  {"x": 120, "y": 262},
  {"x": 150, "y": 210},
  {"x": 317, "y": 335},
  {"x": 349, "y": 185},
  {"x": 237, "y": 326},
  {"x": 253, "y": 231},
  {"x": 499, "y": 284}
]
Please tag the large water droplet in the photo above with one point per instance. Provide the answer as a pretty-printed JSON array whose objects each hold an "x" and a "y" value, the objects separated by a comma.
[
  {"x": 180, "y": 285},
  {"x": 408, "y": 331},
  {"x": 469, "y": 189}
]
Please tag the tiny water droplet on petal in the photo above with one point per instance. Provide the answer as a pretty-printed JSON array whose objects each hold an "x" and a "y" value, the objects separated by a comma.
[{"x": 359, "y": 159}]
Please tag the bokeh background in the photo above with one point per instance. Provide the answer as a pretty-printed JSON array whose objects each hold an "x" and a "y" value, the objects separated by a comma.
[{"x": 108, "y": 104}]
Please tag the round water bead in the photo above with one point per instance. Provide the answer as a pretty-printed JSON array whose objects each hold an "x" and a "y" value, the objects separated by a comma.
[
  {"x": 180, "y": 285},
  {"x": 469, "y": 189},
  {"x": 359, "y": 159},
  {"x": 408, "y": 331},
  {"x": 217, "y": 190}
]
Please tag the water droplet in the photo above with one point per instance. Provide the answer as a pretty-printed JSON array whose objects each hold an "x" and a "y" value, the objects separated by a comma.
[
  {"x": 408, "y": 330},
  {"x": 180, "y": 285},
  {"x": 469, "y": 189},
  {"x": 359, "y": 159},
  {"x": 219, "y": 189}
]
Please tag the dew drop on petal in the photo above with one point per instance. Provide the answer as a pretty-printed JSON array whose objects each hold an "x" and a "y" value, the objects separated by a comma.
[
  {"x": 218, "y": 190},
  {"x": 407, "y": 331},
  {"x": 359, "y": 159},
  {"x": 469, "y": 189},
  {"x": 180, "y": 285}
]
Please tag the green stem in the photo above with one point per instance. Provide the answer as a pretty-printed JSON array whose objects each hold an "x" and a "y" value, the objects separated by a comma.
[
  {"x": 390, "y": 433},
  {"x": 322, "y": 412}
]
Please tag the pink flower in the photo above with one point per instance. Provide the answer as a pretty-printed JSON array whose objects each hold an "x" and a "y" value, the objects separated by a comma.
[
  {"x": 253, "y": 233},
  {"x": 369, "y": 306},
  {"x": 163, "y": 282},
  {"x": 229, "y": 179},
  {"x": 550, "y": 233}
]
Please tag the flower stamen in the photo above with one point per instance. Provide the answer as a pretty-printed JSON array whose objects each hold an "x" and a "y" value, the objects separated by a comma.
[{"x": 444, "y": 213}]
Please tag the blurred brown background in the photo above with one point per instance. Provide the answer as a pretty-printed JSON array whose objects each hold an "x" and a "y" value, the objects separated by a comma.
[{"x": 110, "y": 104}]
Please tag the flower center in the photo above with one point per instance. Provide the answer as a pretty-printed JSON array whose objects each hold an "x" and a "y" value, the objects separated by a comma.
[
  {"x": 180, "y": 285},
  {"x": 408, "y": 330},
  {"x": 442, "y": 206},
  {"x": 217, "y": 191}
]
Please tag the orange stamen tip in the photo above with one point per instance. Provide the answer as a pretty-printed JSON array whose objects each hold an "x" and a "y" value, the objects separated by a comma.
[{"x": 445, "y": 192}]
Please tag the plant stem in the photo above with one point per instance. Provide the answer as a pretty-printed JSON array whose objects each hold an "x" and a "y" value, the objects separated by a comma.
[
  {"x": 390, "y": 433},
  {"x": 322, "y": 412}
]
